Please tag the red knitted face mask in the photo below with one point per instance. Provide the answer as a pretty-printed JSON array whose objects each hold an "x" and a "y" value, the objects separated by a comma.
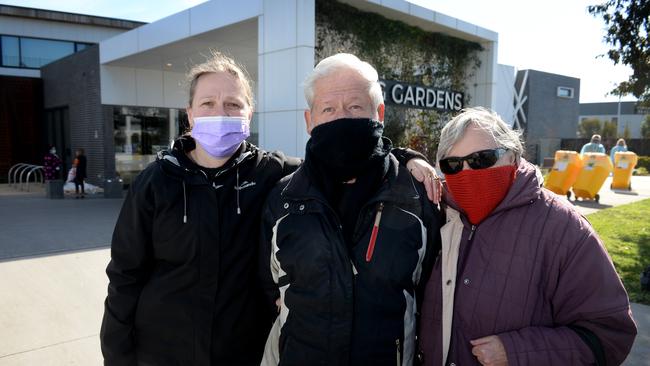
[{"x": 478, "y": 192}]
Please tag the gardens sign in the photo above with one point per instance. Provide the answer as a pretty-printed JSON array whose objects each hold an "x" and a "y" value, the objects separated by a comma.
[{"x": 420, "y": 96}]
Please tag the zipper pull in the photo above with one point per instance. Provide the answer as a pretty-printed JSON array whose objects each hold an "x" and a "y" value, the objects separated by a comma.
[
  {"x": 375, "y": 232},
  {"x": 399, "y": 352},
  {"x": 471, "y": 233}
]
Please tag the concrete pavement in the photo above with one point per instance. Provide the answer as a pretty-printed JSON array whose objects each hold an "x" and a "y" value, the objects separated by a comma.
[
  {"x": 609, "y": 198},
  {"x": 53, "y": 254}
]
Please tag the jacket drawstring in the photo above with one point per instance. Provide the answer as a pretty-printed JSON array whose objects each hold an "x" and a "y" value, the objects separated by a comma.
[
  {"x": 184, "y": 204},
  {"x": 238, "y": 188}
]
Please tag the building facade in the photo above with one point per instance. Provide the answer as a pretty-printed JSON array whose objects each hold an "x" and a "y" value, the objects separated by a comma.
[
  {"x": 125, "y": 98},
  {"x": 29, "y": 40},
  {"x": 549, "y": 112},
  {"x": 627, "y": 116}
]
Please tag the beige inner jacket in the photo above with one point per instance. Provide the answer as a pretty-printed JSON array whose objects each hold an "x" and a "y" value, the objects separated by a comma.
[{"x": 450, "y": 234}]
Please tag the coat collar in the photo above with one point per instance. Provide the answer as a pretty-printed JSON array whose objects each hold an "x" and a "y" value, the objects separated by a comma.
[{"x": 399, "y": 186}]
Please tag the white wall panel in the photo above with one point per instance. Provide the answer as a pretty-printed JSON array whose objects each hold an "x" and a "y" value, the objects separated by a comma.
[
  {"x": 174, "y": 90},
  {"x": 214, "y": 14},
  {"x": 118, "y": 85},
  {"x": 163, "y": 31},
  {"x": 149, "y": 87}
]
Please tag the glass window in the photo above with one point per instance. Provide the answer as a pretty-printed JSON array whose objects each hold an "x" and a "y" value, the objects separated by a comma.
[
  {"x": 38, "y": 52},
  {"x": 139, "y": 133},
  {"x": 10, "y": 53},
  {"x": 564, "y": 92}
]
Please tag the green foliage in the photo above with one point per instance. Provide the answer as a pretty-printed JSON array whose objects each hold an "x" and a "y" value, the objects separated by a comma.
[
  {"x": 625, "y": 231},
  {"x": 399, "y": 52},
  {"x": 645, "y": 128},
  {"x": 423, "y": 136},
  {"x": 640, "y": 171},
  {"x": 643, "y": 162},
  {"x": 609, "y": 130},
  {"x": 588, "y": 127},
  {"x": 628, "y": 27}
]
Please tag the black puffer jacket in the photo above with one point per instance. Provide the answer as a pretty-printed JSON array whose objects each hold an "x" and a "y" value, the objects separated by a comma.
[
  {"x": 183, "y": 287},
  {"x": 341, "y": 305}
]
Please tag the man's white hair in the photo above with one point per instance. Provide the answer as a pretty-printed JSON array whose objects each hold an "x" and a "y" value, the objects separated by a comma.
[
  {"x": 504, "y": 136},
  {"x": 340, "y": 61}
]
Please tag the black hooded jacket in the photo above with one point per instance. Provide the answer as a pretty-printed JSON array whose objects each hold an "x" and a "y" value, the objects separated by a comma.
[{"x": 183, "y": 288}]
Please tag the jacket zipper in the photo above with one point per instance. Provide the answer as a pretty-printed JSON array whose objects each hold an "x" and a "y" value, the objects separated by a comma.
[
  {"x": 375, "y": 232},
  {"x": 471, "y": 233},
  {"x": 399, "y": 352}
]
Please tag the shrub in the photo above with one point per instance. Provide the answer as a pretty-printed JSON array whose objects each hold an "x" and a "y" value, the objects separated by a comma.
[{"x": 643, "y": 162}]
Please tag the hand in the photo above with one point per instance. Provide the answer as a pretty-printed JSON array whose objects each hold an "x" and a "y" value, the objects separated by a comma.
[
  {"x": 278, "y": 303},
  {"x": 425, "y": 173},
  {"x": 490, "y": 351}
]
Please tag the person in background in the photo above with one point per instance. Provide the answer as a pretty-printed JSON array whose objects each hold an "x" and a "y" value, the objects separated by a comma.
[
  {"x": 52, "y": 164},
  {"x": 183, "y": 285},
  {"x": 594, "y": 146},
  {"x": 523, "y": 278},
  {"x": 620, "y": 147},
  {"x": 80, "y": 164}
]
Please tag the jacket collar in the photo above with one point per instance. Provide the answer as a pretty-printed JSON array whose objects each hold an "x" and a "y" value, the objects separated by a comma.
[
  {"x": 174, "y": 162},
  {"x": 396, "y": 186}
]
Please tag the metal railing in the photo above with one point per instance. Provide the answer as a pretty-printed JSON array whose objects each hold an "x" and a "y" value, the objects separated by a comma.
[{"x": 19, "y": 175}]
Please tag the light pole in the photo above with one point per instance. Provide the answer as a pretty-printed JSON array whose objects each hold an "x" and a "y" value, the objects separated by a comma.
[{"x": 618, "y": 114}]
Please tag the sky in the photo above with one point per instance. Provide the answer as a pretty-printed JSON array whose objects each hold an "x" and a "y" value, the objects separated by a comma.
[{"x": 556, "y": 36}]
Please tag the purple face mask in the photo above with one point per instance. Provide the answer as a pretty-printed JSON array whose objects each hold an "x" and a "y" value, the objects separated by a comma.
[{"x": 220, "y": 136}]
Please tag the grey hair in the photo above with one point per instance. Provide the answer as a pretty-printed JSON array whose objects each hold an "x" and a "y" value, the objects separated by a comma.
[
  {"x": 340, "y": 61},
  {"x": 486, "y": 119}
]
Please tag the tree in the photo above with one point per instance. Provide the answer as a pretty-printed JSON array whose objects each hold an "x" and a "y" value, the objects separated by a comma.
[
  {"x": 589, "y": 127},
  {"x": 645, "y": 128},
  {"x": 609, "y": 131},
  {"x": 628, "y": 28}
]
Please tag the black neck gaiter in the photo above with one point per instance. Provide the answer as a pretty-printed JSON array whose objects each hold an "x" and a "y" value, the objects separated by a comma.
[
  {"x": 346, "y": 147},
  {"x": 341, "y": 150}
]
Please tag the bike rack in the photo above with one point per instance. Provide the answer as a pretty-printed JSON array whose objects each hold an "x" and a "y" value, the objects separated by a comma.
[
  {"x": 15, "y": 170},
  {"x": 21, "y": 174},
  {"x": 37, "y": 169}
]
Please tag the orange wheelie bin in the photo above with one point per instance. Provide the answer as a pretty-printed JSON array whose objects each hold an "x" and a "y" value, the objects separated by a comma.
[
  {"x": 564, "y": 172},
  {"x": 595, "y": 169},
  {"x": 624, "y": 163}
]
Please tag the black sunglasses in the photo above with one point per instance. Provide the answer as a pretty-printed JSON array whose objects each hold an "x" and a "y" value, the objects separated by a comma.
[{"x": 477, "y": 160}]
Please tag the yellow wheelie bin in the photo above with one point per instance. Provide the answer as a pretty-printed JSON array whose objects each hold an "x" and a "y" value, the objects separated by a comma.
[
  {"x": 624, "y": 163},
  {"x": 564, "y": 172},
  {"x": 595, "y": 169}
]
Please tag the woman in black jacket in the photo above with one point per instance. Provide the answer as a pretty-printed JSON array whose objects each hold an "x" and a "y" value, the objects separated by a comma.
[
  {"x": 183, "y": 289},
  {"x": 183, "y": 279}
]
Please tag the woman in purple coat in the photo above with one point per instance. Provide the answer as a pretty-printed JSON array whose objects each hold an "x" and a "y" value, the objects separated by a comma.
[
  {"x": 523, "y": 278},
  {"x": 52, "y": 164}
]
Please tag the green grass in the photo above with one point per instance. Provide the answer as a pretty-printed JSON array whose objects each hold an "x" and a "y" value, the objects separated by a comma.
[{"x": 625, "y": 230}]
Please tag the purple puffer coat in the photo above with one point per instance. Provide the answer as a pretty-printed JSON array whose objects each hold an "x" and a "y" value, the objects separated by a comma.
[{"x": 528, "y": 272}]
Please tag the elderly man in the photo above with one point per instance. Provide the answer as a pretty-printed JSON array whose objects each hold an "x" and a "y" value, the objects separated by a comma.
[
  {"x": 594, "y": 146},
  {"x": 523, "y": 279},
  {"x": 347, "y": 237}
]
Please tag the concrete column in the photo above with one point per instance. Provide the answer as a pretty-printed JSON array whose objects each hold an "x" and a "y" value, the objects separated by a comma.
[
  {"x": 483, "y": 86},
  {"x": 286, "y": 42}
]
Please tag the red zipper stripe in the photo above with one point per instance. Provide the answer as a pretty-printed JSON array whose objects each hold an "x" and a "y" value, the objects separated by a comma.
[{"x": 375, "y": 232}]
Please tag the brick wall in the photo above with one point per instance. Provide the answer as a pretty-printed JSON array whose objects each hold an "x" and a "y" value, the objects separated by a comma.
[{"x": 74, "y": 82}]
